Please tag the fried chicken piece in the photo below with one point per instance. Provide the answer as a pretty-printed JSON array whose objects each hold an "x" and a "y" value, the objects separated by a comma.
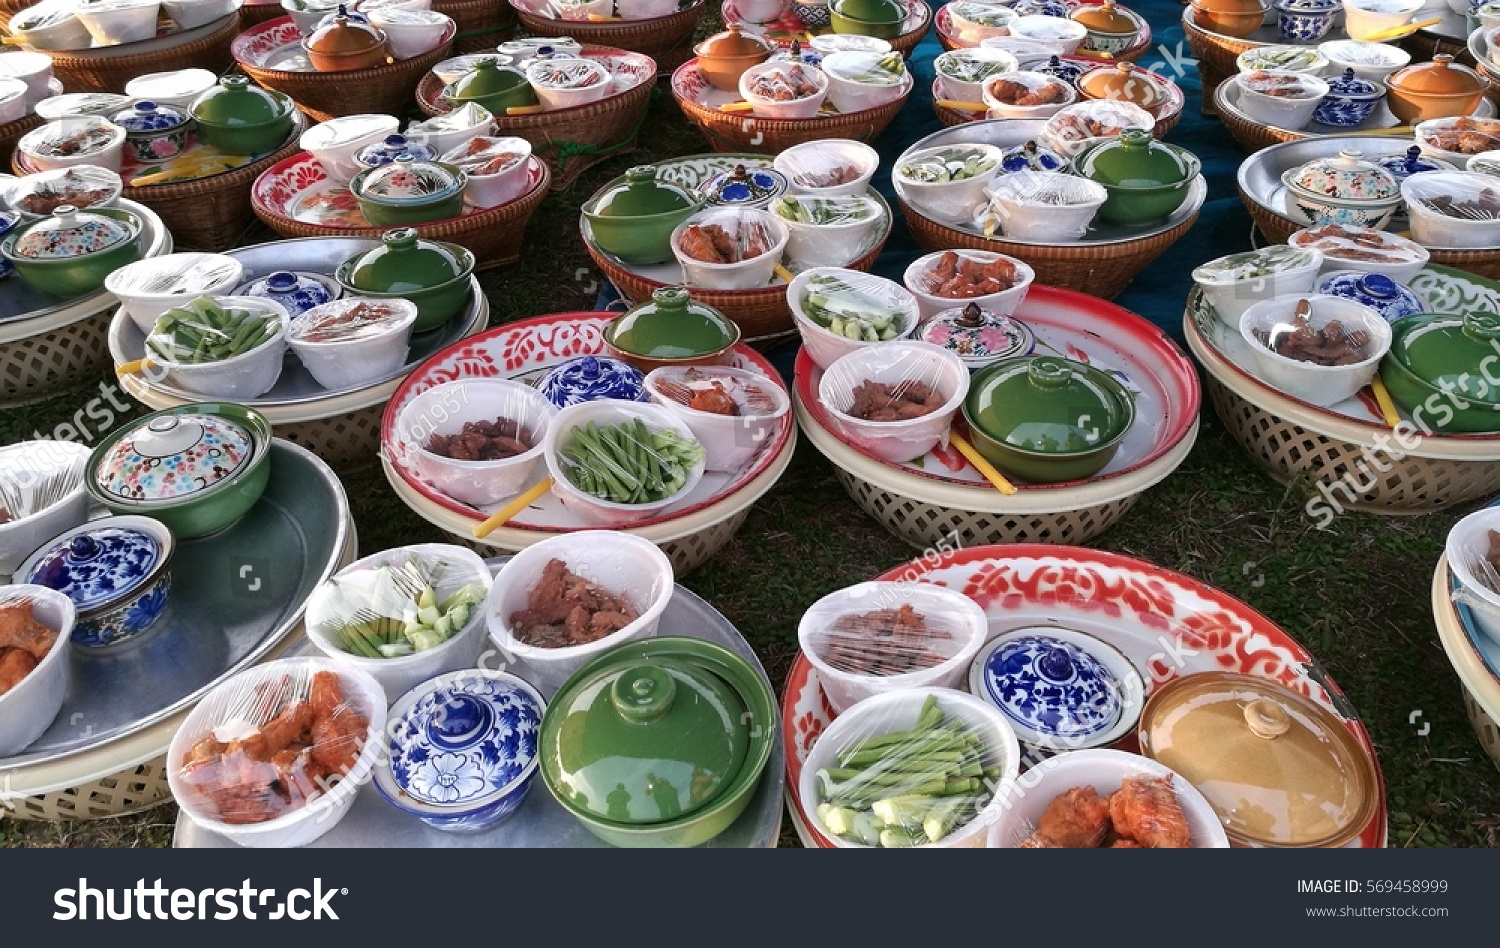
[
  {"x": 1145, "y": 808},
  {"x": 326, "y": 697},
  {"x": 15, "y": 665},
  {"x": 1078, "y": 819},
  {"x": 697, "y": 243},
  {"x": 20, "y": 629},
  {"x": 336, "y": 741},
  {"x": 713, "y": 400},
  {"x": 1125, "y": 842},
  {"x": 273, "y": 736},
  {"x": 725, "y": 245},
  {"x": 208, "y": 748}
]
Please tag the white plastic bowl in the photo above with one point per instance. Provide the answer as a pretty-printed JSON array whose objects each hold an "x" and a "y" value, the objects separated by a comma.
[
  {"x": 113, "y": 22},
  {"x": 177, "y": 88},
  {"x": 1468, "y": 540},
  {"x": 897, "y": 711},
  {"x": 1022, "y": 216},
  {"x": 334, "y": 143},
  {"x": 68, "y": 33},
  {"x": 645, "y": 9},
  {"x": 191, "y": 14},
  {"x": 964, "y": 91},
  {"x": 307, "y": 21},
  {"x": 411, "y": 32},
  {"x": 1281, "y": 111},
  {"x": 247, "y": 375},
  {"x": 832, "y": 245},
  {"x": 144, "y": 308},
  {"x": 447, "y": 132},
  {"x": 1363, "y": 18},
  {"x": 443, "y": 409},
  {"x": 944, "y": 609},
  {"x": 970, "y": 30},
  {"x": 92, "y": 176},
  {"x": 349, "y": 363},
  {"x": 1321, "y": 385},
  {"x": 1033, "y": 81},
  {"x": 23, "y": 463},
  {"x": 28, "y": 709},
  {"x": 1105, "y": 771},
  {"x": 1230, "y": 298},
  {"x": 1373, "y": 61},
  {"x": 850, "y": 95},
  {"x": 1403, "y": 271},
  {"x": 399, "y": 675},
  {"x": 323, "y": 812},
  {"x": 950, "y": 202},
  {"x": 594, "y": 510},
  {"x": 107, "y": 156},
  {"x": 822, "y": 344},
  {"x": 12, "y": 99},
  {"x": 891, "y": 363},
  {"x": 729, "y": 441},
  {"x": 622, "y": 563},
  {"x": 1061, "y": 136},
  {"x": 1004, "y": 303},
  {"x": 1424, "y": 132},
  {"x": 745, "y": 275},
  {"x": 1433, "y": 229},
  {"x": 823, "y": 155},
  {"x": 492, "y": 190},
  {"x": 1253, "y": 58},
  {"x": 34, "y": 69},
  {"x": 1061, "y": 36},
  {"x": 805, "y": 107}
]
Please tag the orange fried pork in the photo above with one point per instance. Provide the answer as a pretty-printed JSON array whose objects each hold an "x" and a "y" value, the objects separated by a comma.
[
  {"x": 1145, "y": 808},
  {"x": 1078, "y": 819}
]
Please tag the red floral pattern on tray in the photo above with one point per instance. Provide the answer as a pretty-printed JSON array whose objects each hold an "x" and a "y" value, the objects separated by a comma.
[
  {"x": 627, "y": 70},
  {"x": 1167, "y": 623},
  {"x": 277, "y": 45}
]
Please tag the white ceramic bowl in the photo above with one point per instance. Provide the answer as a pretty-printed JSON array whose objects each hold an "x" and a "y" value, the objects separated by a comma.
[
  {"x": 963, "y": 90},
  {"x": 247, "y": 375},
  {"x": 91, "y": 177},
  {"x": 460, "y": 567},
  {"x": 447, "y": 132},
  {"x": 897, "y": 711},
  {"x": 729, "y": 441},
  {"x": 1373, "y": 61},
  {"x": 594, "y": 510},
  {"x": 191, "y": 14},
  {"x": 950, "y": 202},
  {"x": 805, "y": 107},
  {"x": 34, "y": 69},
  {"x": 1322, "y": 385},
  {"x": 1424, "y": 133},
  {"x": 622, "y": 563},
  {"x": 1307, "y": 60},
  {"x": 831, "y": 245},
  {"x": 1363, "y": 18},
  {"x": 1310, "y": 208},
  {"x": 177, "y": 88},
  {"x": 1004, "y": 303},
  {"x": 12, "y": 99},
  {"x": 1059, "y": 35},
  {"x": 1033, "y": 81},
  {"x": 745, "y": 275},
  {"x": 335, "y": 142},
  {"x": 443, "y": 409},
  {"x": 1105, "y": 771},
  {"x": 851, "y": 95},
  {"x": 945, "y": 610},
  {"x": 1414, "y": 256},
  {"x": 29, "y": 707},
  {"x": 1281, "y": 111},
  {"x": 113, "y": 22},
  {"x": 68, "y": 32},
  {"x": 108, "y": 155},
  {"x": 1025, "y": 205},
  {"x": 321, "y": 814},
  {"x": 350, "y": 363},
  {"x": 212, "y": 274},
  {"x": 23, "y": 464},
  {"x": 411, "y": 32},
  {"x": 1431, "y": 228},
  {"x": 1469, "y": 540},
  {"x": 492, "y": 190},
  {"x": 823, "y": 345},
  {"x": 891, "y": 363},
  {"x": 307, "y": 21},
  {"x": 1230, "y": 296},
  {"x": 820, "y": 157}
]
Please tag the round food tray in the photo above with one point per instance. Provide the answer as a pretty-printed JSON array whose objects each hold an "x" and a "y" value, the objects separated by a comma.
[
  {"x": 1167, "y": 116},
  {"x": 109, "y": 68},
  {"x": 790, "y": 25},
  {"x": 102, "y": 755},
  {"x": 668, "y": 39},
  {"x": 1475, "y": 660},
  {"x": 950, "y": 40},
  {"x": 1124, "y": 601},
  {"x": 1102, "y": 264},
  {"x": 541, "y": 821}
]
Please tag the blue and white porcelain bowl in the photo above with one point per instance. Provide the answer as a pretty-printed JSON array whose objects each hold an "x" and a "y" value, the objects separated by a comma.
[
  {"x": 390, "y": 148},
  {"x": 462, "y": 749},
  {"x": 1385, "y": 296},
  {"x": 589, "y": 378},
  {"x": 1305, "y": 21},
  {"x": 117, "y": 571},
  {"x": 296, "y": 290},
  {"x": 8, "y": 221},
  {"x": 1349, "y": 102},
  {"x": 153, "y": 133},
  {"x": 812, "y": 15},
  {"x": 1413, "y": 161},
  {"x": 1067, "y": 70},
  {"x": 1060, "y": 689}
]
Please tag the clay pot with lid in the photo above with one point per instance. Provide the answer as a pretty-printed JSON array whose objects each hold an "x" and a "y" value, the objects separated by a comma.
[
  {"x": 725, "y": 56},
  {"x": 1122, "y": 84},
  {"x": 1439, "y": 89},
  {"x": 1237, "y": 18},
  {"x": 347, "y": 42}
]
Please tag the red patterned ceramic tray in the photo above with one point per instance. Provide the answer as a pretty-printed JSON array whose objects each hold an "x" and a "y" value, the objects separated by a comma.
[
  {"x": 690, "y": 85},
  {"x": 299, "y": 191},
  {"x": 1172, "y": 98},
  {"x": 1166, "y": 623},
  {"x": 583, "y": 11},
  {"x": 277, "y": 45},
  {"x": 1077, "y": 326},
  {"x": 950, "y": 38},
  {"x": 627, "y": 70},
  {"x": 789, "y": 25},
  {"x": 524, "y": 350}
]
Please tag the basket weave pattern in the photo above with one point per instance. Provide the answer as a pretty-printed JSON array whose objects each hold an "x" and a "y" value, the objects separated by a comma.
[
  {"x": 12, "y": 132},
  {"x": 347, "y": 442},
  {"x": 482, "y": 24},
  {"x": 742, "y": 132},
  {"x": 1484, "y": 726},
  {"x": 668, "y": 39},
  {"x": 41, "y": 366},
  {"x": 129, "y": 791}
]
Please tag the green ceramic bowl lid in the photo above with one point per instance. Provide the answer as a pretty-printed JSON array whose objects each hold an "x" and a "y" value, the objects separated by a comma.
[
  {"x": 487, "y": 78},
  {"x": 872, "y": 11},
  {"x": 1135, "y": 159},
  {"x": 1048, "y": 405},
  {"x": 641, "y": 194},
  {"x": 173, "y": 456},
  {"x": 672, "y": 326},
  {"x": 69, "y": 234},
  {"x": 644, "y": 741},
  {"x": 1450, "y": 351},
  {"x": 404, "y": 262},
  {"x": 235, "y": 102}
]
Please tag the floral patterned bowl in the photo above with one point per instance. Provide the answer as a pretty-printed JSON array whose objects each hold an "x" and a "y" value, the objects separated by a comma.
[{"x": 406, "y": 192}]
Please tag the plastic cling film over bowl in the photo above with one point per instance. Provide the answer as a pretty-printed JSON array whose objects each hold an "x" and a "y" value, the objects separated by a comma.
[
  {"x": 622, "y": 459},
  {"x": 854, "y": 305},
  {"x": 896, "y": 400}
]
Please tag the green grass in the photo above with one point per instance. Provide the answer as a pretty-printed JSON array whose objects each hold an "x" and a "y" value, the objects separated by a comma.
[{"x": 1356, "y": 595}]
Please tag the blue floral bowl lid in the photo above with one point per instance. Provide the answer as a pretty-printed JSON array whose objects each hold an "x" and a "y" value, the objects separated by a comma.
[
  {"x": 70, "y": 233},
  {"x": 591, "y": 378},
  {"x": 1031, "y": 157},
  {"x": 1410, "y": 162},
  {"x": 390, "y": 148},
  {"x": 297, "y": 291},
  {"x": 1050, "y": 688},
  {"x": 1056, "y": 66},
  {"x": 173, "y": 456},
  {"x": 98, "y": 564},
  {"x": 744, "y": 187},
  {"x": 1350, "y": 86},
  {"x": 1390, "y": 299},
  {"x": 147, "y": 116},
  {"x": 465, "y": 737}
]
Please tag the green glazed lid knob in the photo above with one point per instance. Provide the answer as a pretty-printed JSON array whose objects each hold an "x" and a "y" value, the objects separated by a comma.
[
  {"x": 671, "y": 299},
  {"x": 643, "y": 693},
  {"x": 488, "y": 63},
  {"x": 1482, "y": 326},
  {"x": 641, "y": 176},
  {"x": 400, "y": 239},
  {"x": 235, "y": 83},
  {"x": 1135, "y": 139},
  {"x": 1049, "y": 373}
]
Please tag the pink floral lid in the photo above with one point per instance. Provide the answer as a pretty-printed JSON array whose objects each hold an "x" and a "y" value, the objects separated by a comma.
[
  {"x": 173, "y": 456},
  {"x": 978, "y": 336},
  {"x": 70, "y": 232},
  {"x": 1348, "y": 176},
  {"x": 409, "y": 180}
]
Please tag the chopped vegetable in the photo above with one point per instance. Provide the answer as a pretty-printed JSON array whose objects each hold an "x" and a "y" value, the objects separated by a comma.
[
  {"x": 203, "y": 331},
  {"x": 628, "y": 463},
  {"x": 849, "y": 312},
  {"x": 394, "y": 611},
  {"x": 812, "y": 210},
  {"x": 949, "y": 164},
  {"x": 876, "y": 69}
]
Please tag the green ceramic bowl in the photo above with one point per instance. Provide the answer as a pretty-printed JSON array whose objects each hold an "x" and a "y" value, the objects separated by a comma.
[
  {"x": 206, "y": 511},
  {"x": 1145, "y": 180},
  {"x": 841, "y": 23},
  {"x": 435, "y": 304},
  {"x": 1137, "y": 206},
  {"x": 259, "y": 139},
  {"x": 406, "y": 213},
  {"x": 69, "y": 277},
  {"x": 671, "y": 330},
  {"x": 1459, "y": 350},
  {"x": 719, "y": 814},
  {"x": 643, "y": 233}
]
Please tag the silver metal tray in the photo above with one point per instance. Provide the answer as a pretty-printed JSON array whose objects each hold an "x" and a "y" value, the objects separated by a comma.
[
  {"x": 296, "y": 385},
  {"x": 1008, "y": 133},
  {"x": 542, "y": 822},
  {"x": 1228, "y": 96},
  {"x": 1260, "y": 174},
  {"x": 1453, "y": 28},
  {"x": 235, "y": 596}
]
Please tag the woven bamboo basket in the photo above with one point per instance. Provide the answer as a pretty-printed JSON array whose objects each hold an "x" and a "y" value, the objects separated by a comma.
[
  {"x": 1216, "y": 55},
  {"x": 1483, "y": 262},
  {"x": 482, "y": 24},
  {"x": 668, "y": 39},
  {"x": 9, "y": 8},
  {"x": 98, "y": 71},
  {"x": 1484, "y": 726},
  {"x": 1492, "y": 92},
  {"x": 254, "y": 14},
  {"x": 569, "y": 141},
  {"x": 324, "y": 95},
  {"x": 1102, "y": 270},
  {"x": 1251, "y": 135},
  {"x": 129, "y": 791},
  {"x": 494, "y": 235},
  {"x": 951, "y": 117},
  {"x": 742, "y": 132},
  {"x": 1424, "y": 44},
  {"x": 54, "y": 361},
  {"x": 11, "y": 132}
]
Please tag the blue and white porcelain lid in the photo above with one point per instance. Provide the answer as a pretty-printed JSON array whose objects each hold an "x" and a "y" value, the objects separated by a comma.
[
  {"x": 96, "y": 565},
  {"x": 590, "y": 378},
  {"x": 1351, "y": 85},
  {"x": 147, "y": 116},
  {"x": 1050, "y": 688},
  {"x": 464, "y": 737}
]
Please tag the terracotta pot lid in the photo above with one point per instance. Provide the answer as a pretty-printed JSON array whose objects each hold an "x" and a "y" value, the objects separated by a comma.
[{"x": 1442, "y": 76}]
